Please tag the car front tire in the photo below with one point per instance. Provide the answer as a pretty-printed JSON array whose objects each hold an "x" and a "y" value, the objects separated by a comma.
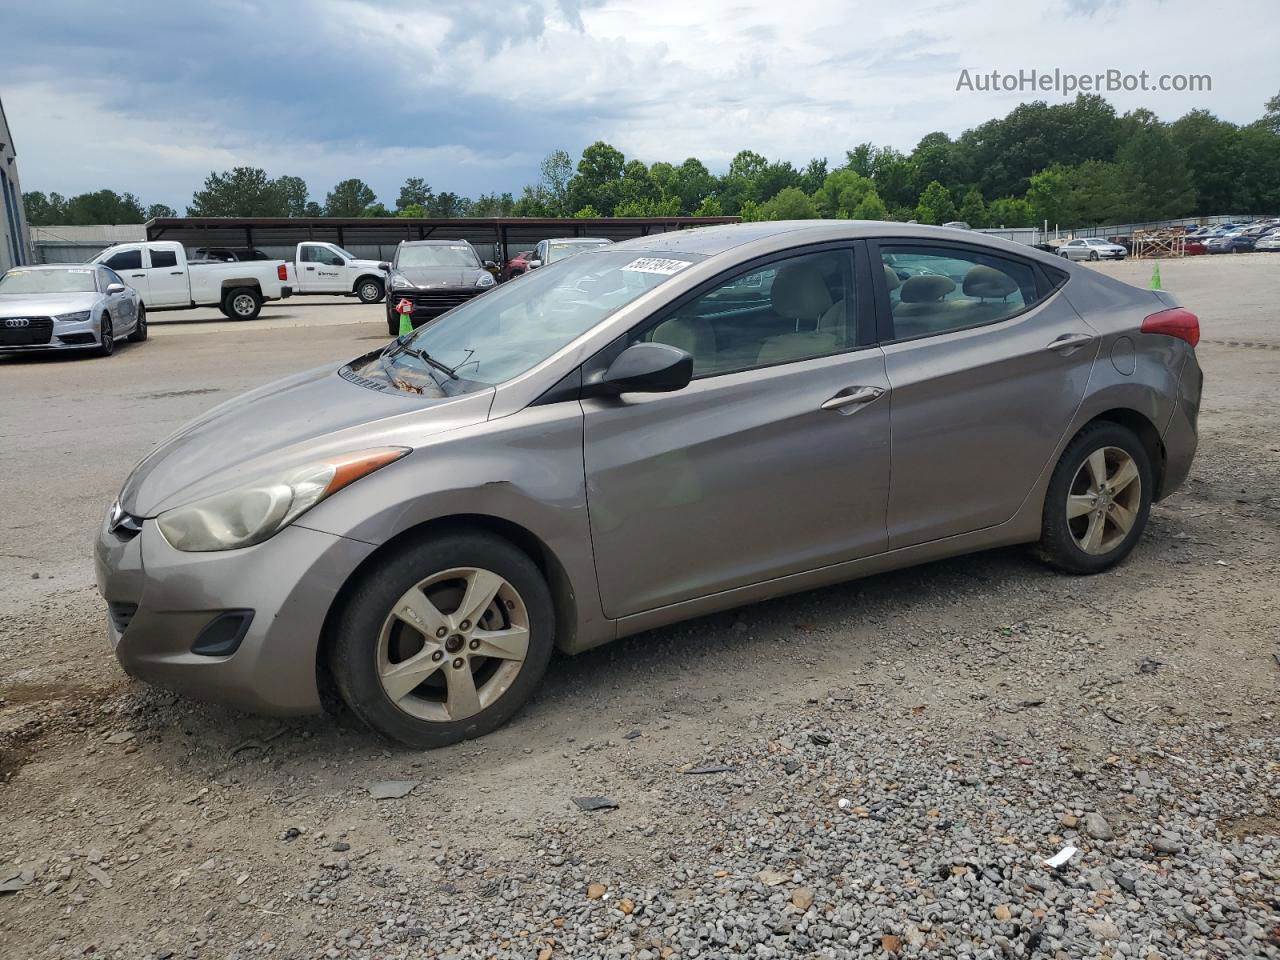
[
  {"x": 140, "y": 327},
  {"x": 444, "y": 640},
  {"x": 369, "y": 290},
  {"x": 106, "y": 337},
  {"x": 1098, "y": 500}
]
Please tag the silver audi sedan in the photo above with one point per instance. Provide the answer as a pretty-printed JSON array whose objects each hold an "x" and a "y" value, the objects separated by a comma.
[
  {"x": 642, "y": 434},
  {"x": 81, "y": 306}
]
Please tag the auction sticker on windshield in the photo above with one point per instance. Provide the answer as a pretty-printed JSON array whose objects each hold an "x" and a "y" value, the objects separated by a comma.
[{"x": 656, "y": 265}]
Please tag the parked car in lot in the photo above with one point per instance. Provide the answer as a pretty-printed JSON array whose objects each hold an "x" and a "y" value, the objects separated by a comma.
[
  {"x": 68, "y": 307},
  {"x": 165, "y": 280},
  {"x": 553, "y": 251},
  {"x": 433, "y": 276},
  {"x": 1234, "y": 242},
  {"x": 1091, "y": 248},
  {"x": 325, "y": 268},
  {"x": 519, "y": 264},
  {"x": 228, "y": 254},
  {"x": 639, "y": 435},
  {"x": 1194, "y": 248},
  {"x": 1268, "y": 243}
]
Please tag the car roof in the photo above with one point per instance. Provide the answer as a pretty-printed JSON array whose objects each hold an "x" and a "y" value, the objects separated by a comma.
[
  {"x": 432, "y": 243},
  {"x": 710, "y": 241},
  {"x": 578, "y": 240},
  {"x": 58, "y": 266}
]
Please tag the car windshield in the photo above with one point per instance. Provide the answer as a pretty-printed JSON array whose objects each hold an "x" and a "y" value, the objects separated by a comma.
[
  {"x": 48, "y": 281},
  {"x": 453, "y": 255},
  {"x": 345, "y": 253},
  {"x": 514, "y": 327},
  {"x": 563, "y": 251}
]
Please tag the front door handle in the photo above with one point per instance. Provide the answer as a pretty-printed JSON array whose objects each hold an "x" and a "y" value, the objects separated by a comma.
[
  {"x": 852, "y": 396},
  {"x": 1068, "y": 343},
  {"x": 137, "y": 274}
]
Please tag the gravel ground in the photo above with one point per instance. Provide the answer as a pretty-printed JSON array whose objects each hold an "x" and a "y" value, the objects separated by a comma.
[{"x": 878, "y": 769}]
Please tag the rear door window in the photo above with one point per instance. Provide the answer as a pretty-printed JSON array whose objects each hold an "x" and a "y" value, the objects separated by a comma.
[{"x": 934, "y": 289}]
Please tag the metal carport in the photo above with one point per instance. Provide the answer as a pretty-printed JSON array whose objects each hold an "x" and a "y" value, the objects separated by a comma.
[{"x": 376, "y": 237}]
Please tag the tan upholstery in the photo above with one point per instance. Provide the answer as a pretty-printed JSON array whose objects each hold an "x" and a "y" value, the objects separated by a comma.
[
  {"x": 988, "y": 283},
  {"x": 927, "y": 288},
  {"x": 693, "y": 335},
  {"x": 800, "y": 293},
  {"x": 891, "y": 278}
]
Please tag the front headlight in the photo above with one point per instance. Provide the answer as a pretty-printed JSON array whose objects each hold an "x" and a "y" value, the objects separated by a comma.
[
  {"x": 258, "y": 511},
  {"x": 77, "y": 317},
  {"x": 485, "y": 280},
  {"x": 400, "y": 280}
]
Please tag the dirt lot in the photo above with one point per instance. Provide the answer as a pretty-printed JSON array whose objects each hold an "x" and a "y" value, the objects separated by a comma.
[{"x": 899, "y": 754}]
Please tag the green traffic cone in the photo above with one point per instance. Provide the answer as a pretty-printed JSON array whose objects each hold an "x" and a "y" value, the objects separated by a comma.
[
  {"x": 406, "y": 325},
  {"x": 1155, "y": 277}
]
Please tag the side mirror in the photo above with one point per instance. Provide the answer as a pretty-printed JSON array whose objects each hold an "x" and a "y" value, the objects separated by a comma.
[
  {"x": 534, "y": 264},
  {"x": 384, "y": 267},
  {"x": 115, "y": 288},
  {"x": 646, "y": 368}
]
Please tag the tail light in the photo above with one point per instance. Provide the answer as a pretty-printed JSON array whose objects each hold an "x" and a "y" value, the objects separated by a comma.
[
  {"x": 282, "y": 272},
  {"x": 1177, "y": 322}
]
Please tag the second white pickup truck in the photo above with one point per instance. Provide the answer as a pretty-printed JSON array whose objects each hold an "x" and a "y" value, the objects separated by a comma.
[
  {"x": 159, "y": 271},
  {"x": 327, "y": 268}
]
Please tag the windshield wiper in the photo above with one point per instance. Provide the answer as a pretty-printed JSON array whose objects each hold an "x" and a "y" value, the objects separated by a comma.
[{"x": 402, "y": 346}]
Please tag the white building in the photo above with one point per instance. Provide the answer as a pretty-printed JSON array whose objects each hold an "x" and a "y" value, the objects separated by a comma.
[{"x": 15, "y": 243}]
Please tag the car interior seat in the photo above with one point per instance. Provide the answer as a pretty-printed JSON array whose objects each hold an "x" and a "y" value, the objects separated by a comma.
[{"x": 800, "y": 295}]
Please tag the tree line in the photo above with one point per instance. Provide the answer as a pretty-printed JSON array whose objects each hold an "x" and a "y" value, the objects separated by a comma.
[{"x": 1072, "y": 164}]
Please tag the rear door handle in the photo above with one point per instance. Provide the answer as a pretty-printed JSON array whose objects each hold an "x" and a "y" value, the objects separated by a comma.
[
  {"x": 137, "y": 274},
  {"x": 852, "y": 397},
  {"x": 1069, "y": 342},
  {"x": 175, "y": 273}
]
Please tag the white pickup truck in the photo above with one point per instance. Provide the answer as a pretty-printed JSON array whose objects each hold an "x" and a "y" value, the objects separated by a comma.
[
  {"x": 327, "y": 268},
  {"x": 159, "y": 271}
]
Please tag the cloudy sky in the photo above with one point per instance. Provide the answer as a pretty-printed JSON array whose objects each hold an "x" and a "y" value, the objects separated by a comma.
[{"x": 151, "y": 95}]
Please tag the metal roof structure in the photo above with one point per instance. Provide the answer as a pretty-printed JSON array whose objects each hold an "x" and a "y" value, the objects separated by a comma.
[{"x": 377, "y": 236}]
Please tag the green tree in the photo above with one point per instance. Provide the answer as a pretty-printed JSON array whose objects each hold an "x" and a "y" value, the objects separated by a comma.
[
  {"x": 870, "y": 207},
  {"x": 841, "y": 192},
  {"x": 1214, "y": 159},
  {"x": 239, "y": 192},
  {"x": 376, "y": 210},
  {"x": 103, "y": 206},
  {"x": 935, "y": 205},
  {"x": 44, "y": 211},
  {"x": 750, "y": 212},
  {"x": 349, "y": 198},
  {"x": 557, "y": 174},
  {"x": 1049, "y": 195},
  {"x": 412, "y": 210},
  {"x": 1010, "y": 212},
  {"x": 790, "y": 203},
  {"x": 598, "y": 178},
  {"x": 158, "y": 210},
  {"x": 493, "y": 205},
  {"x": 709, "y": 207},
  {"x": 587, "y": 213},
  {"x": 973, "y": 210},
  {"x": 693, "y": 184},
  {"x": 1271, "y": 114},
  {"x": 293, "y": 190},
  {"x": 415, "y": 192},
  {"x": 813, "y": 175},
  {"x": 533, "y": 202},
  {"x": 1153, "y": 169}
]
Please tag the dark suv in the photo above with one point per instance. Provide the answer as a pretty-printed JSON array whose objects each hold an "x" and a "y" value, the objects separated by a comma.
[{"x": 434, "y": 276}]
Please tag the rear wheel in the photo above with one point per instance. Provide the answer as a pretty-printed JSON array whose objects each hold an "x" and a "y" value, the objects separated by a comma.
[
  {"x": 369, "y": 290},
  {"x": 445, "y": 640},
  {"x": 140, "y": 328},
  {"x": 242, "y": 303},
  {"x": 1098, "y": 500},
  {"x": 106, "y": 337}
]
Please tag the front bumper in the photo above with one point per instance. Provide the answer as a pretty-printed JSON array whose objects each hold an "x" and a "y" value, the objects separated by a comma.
[
  {"x": 431, "y": 303},
  {"x": 160, "y": 600},
  {"x": 50, "y": 334}
]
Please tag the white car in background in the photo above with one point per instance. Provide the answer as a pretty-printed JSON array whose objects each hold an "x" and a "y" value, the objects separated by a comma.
[
  {"x": 325, "y": 268},
  {"x": 68, "y": 307},
  {"x": 1269, "y": 242},
  {"x": 160, "y": 272},
  {"x": 1092, "y": 248}
]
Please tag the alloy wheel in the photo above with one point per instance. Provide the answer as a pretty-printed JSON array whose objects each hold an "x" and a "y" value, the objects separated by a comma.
[
  {"x": 1104, "y": 500},
  {"x": 370, "y": 292},
  {"x": 453, "y": 644}
]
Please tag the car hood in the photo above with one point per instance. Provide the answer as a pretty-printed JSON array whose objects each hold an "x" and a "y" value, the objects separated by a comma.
[
  {"x": 429, "y": 277},
  {"x": 45, "y": 304},
  {"x": 286, "y": 424}
]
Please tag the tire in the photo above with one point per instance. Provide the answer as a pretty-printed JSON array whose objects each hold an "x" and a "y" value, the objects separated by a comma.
[
  {"x": 370, "y": 290},
  {"x": 1093, "y": 255},
  {"x": 393, "y": 322},
  {"x": 108, "y": 345},
  {"x": 426, "y": 579},
  {"x": 242, "y": 303},
  {"x": 140, "y": 328},
  {"x": 1068, "y": 542}
]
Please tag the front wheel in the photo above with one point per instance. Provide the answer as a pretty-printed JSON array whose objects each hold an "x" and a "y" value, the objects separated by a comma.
[
  {"x": 1093, "y": 255},
  {"x": 369, "y": 290},
  {"x": 1098, "y": 500},
  {"x": 140, "y": 327},
  {"x": 106, "y": 337},
  {"x": 445, "y": 640},
  {"x": 243, "y": 303}
]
